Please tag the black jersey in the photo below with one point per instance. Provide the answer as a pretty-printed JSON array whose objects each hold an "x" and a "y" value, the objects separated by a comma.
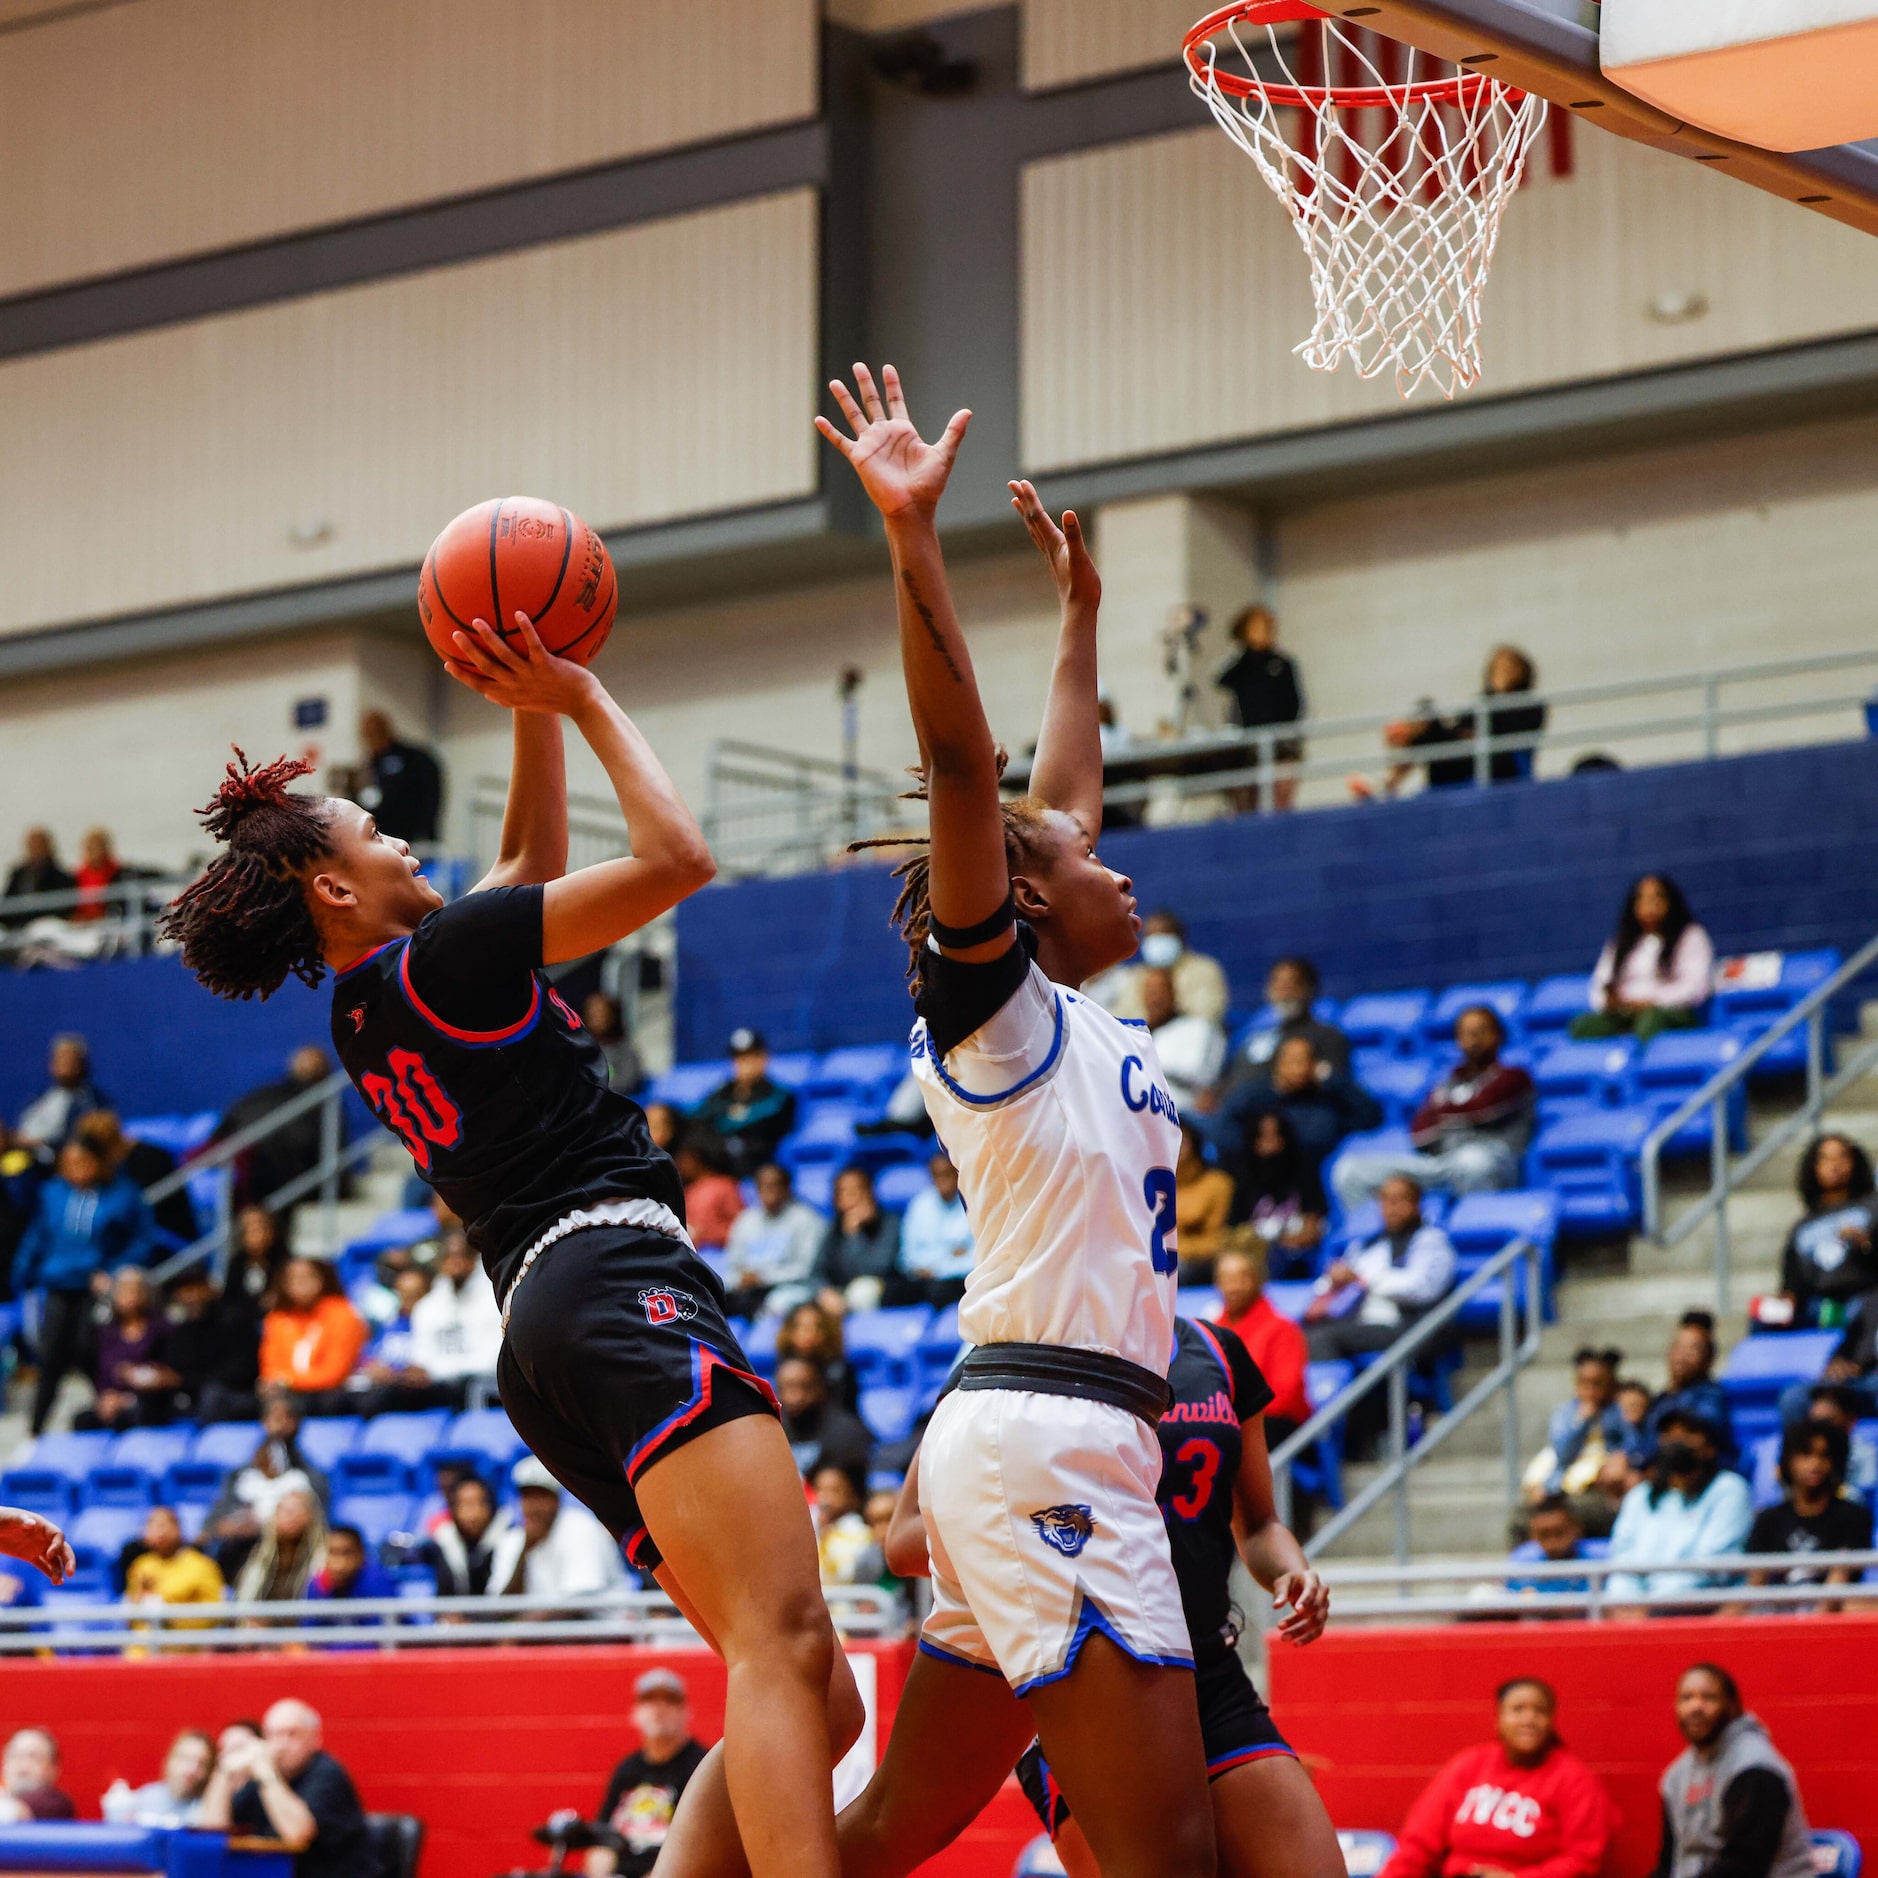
[
  {"x": 485, "y": 1073},
  {"x": 1216, "y": 1386}
]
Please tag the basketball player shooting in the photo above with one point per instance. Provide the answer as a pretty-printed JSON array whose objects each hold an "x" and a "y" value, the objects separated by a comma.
[{"x": 618, "y": 1367}]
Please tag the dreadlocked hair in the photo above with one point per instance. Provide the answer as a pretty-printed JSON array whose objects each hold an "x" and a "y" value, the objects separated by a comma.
[
  {"x": 245, "y": 924},
  {"x": 1023, "y": 819}
]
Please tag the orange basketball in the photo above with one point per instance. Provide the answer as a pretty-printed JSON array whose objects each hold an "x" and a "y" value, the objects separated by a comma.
[{"x": 520, "y": 554}]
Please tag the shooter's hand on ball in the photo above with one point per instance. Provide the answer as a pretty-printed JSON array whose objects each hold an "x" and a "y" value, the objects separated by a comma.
[{"x": 520, "y": 674}]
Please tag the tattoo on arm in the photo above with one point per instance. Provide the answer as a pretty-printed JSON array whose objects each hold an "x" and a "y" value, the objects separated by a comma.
[{"x": 932, "y": 627}]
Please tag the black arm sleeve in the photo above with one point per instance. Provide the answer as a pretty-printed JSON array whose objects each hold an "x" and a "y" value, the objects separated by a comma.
[
  {"x": 472, "y": 962},
  {"x": 1251, "y": 1393},
  {"x": 957, "y": 997},
  {"x": 1754, "y": 1812}
]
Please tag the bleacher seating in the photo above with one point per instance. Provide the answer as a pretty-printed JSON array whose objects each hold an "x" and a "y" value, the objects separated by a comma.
[
  {"x": 1554, "y": 1003},
  {"x": 1575, "y": 1078},
  {"x": 1505, "y": 996},
  {"x": 1758, "y": 1369},
  {"x": 1387, "y": 1020}
]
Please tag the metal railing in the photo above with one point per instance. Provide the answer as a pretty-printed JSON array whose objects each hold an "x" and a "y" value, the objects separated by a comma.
[
  {"x": 1390, "y": 1371},
  {"x": 596, "y": 830},
  {"x": 123, "y": 924},
  {"x": 1726, "y": 1173},
  {"x": 1430, "y": 1592},
  {"x": 772, "y": 811},
  {"x": 394, "y": 1623}
]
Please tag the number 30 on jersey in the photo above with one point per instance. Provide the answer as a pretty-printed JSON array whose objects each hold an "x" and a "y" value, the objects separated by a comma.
[{"x": 411, "y": 1102}]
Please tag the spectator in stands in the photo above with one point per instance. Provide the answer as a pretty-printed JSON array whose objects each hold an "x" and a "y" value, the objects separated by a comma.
[
  {"x": 1731, "y": 1806},
  {"x": 147, "y": 1162},
  {"x": 1276, "y": 1344},
  {"x": 1691, "y": 1507},
  {"x": 176, "y": 1799},
  {"x": 249, "y": 1494},
  {"x": 29, "y": 1779},
  {"x": 91, "y": 1221},
  {"x": 255, "y": 1263},
  {"x": 936, "y": 1243},
  {"x": 750, "y": 1115},
  {"x": 771, "y": 1249},
  {"x": 312, "y": 1336},
  {"x": 1380, "y": 1288},
  {"x": 350, "y": 1571},
  {"x": 815, "y": 1333},
  {"x": 605, "y": 1018},
  {"x": 1320, "y": 1107},
  {"x": 37, "y": 871},
  {"x": 1555, "y": 1530},
  {"x": 169, "y": 1572},
  {"x": 136, "y": 1381},
  {"x": 290, "y": 1551},
  {"x": 1656, "y": 971},
  {"x": 821, "y": 1432},
  {"x": 403, "y": 786},
  {"x": 293, "y": 1148},
  {"x": 1199, "y": 979},
  {"x": 1292, "y": 988},
  {"x": 1509, "y": 673},
  {"x": 1191, "y": 1049},
  {"x": 642, "y": 1796},
  {"x": 1581, "y": 1437},
  {"x": 860, "y": 1249},
  {"x": 1471, "y": 1130},
  {"x": 1203, "y": 1197},
  {"x": 285, "y": 1786},
  {"x": 389, "y": 1375},
  {"x": 1829, "y": 1258},
  {"x": 98, "y": 870},
  {"x": 566, "y": 1552},
  {"x": 712, "y": 1198},
  {"x": 1692, "y": 1386},
  {"x": 1522, "y": 1803},
  {"x": 1814, "y": 1515},
  {"x": 1262, "y": 683},
  {"x": 456, "y": 1331},
  {"x": 1275, "y": 1189},
  {"x": 46, "y": 1123},
  {"x": 663, "y": 1123},
  {"x": 473, "y": 1554},
  {"x": 1848, "y": 1411},
  {"x": 841, "y": 1536}
]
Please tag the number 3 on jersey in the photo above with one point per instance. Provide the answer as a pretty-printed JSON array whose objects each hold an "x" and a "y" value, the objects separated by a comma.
[
  {"x": 1158, "y": 1191},
  {"x": 412, "y": 1104}
]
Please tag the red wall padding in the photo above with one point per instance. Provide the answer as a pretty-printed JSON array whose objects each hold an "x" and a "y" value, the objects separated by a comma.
[{"x": 1376, "y": 1712}]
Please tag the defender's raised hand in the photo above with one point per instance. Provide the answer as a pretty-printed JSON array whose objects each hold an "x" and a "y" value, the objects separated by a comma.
[
  {"x": 1074, "y": 571},
  {"x": 903, "y": 474}
]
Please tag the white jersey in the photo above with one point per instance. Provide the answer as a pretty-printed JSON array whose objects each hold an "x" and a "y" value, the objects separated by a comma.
[{"x": 1058, "y": 1119}]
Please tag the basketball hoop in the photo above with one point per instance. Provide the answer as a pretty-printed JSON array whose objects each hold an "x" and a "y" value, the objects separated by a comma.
[{"x": 1395, "y": 179}]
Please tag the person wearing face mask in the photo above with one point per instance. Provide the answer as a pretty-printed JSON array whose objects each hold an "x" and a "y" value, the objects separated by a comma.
[
  {"x": 1199, "y": 980},
  {"x": 1292, "y": 987},
  {"x": 1691, "y": 1507}
]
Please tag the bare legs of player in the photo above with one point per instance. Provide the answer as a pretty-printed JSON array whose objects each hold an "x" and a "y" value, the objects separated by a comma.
[
  {"x": 1267, "y": 1818},
  {"x": 1121, "y": 1737},
  {"x": 727, "y": 1514}
]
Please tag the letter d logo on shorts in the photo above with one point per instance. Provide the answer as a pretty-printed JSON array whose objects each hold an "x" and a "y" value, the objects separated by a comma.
[
  {"x": 1066, "y": 1529},
  {"x": 663, "y": 1305}
]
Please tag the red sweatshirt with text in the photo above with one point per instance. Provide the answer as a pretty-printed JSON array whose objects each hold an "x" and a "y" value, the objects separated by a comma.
[{"x": 1481, "y": 1813}]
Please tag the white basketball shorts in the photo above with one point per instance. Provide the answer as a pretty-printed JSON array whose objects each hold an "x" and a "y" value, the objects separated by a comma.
[{"x": 1041, "y": 1521}]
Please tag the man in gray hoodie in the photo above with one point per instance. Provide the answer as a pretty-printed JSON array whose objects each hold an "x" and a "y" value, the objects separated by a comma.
[{"x": 1731, "y": 1806}]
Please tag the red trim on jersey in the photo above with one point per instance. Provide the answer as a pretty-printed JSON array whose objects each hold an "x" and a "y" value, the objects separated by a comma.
[
  {"x": 705, "y": 1364},
  {"x": 1219, "y": 1355},
  {"x": 506, "y": 1034},
  {"x": 364, "y": 958},
  {"x": 1227, "y": 1762}
]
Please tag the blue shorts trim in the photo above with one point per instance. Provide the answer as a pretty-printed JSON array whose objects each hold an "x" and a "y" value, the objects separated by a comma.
[
  {"x": 964, "y": 1662},
  {"x": 1089, "y": 1621},
  {"x": 1227, "y": 1762}
]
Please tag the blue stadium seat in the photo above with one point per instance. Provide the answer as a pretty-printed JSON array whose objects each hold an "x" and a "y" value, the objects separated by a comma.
[
  {"x": 815, "y": 1185},
  {"x": 1398, "y": 1083},
  {"x": 1386, "y": 1020},
  {"x": 377, "y": 1516},
  {"x": 1554, "y": 1003},
  {"x": 178, "y": 1135},
  {"x": 1196, "y": 1300},
  {"x": 44, "y": 1490},
  {"x": 227, "y": 1444},
  {"x": 1319, "y": 1470},
  {"x": 897, "y": 1187},
  {"x": 1368, "y": 1141},
  {"x": 1506, "y": 996},
  {"x": 791, "y": 1069},
  {"x": 108, "y": 1529},
  {"x": 1750, "y": 1012},
  {"x": 939, "y": 1347},
  {"x": 758, "y": 1338},
  {"x": 324, "y": 1438},
  {"x": 74, "y": 1452},
  {"x": 155, "y": 1450},
  {"x": 1672, "y": 1068},
  {"x": 357, "y": 1475},
  {"x": 488, "y": 1432},
  {"x": 1366, "y": 1853},
  {"x": 1836, "y": 1854},
  {"x": 408, "y": 1437},
  {"x": 1759, "y": 1368},
  {"x": 390, "y": 1231},
  {"x": 113, "y": 1485},
  {"x": 1590, "y": 1162},
  {"x": 883, "y": 1346},
  {"x": 825, "y": 1138},
  {"x": 1289, "y": 1297},
  {"x": 193, "y": 1484},
  {"x": 1483, "y": 1224},
  {"x": 1575, "y": 1077},
  {"x": 685, "y": 1085},
  {"x": 1763, "y": 1459},
  {"x": 868, "y": 1072},
  {"x": 890, "y": 1411}
]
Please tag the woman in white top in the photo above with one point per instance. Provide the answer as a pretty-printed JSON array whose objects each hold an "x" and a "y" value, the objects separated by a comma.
[
  {"x": 1656, "y": 971},
  {"x": 1055, "y": 1605}
]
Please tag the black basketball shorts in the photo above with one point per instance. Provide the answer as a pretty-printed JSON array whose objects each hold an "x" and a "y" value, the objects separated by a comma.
[
  {"x": 618, "y": 1352},
  {"x": 1235, "y": 1727}
]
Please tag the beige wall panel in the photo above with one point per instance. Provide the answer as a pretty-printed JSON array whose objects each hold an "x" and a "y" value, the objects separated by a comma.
[
  {"x": 1068, "y": 41},
  {"x": 141, "y": 132},
  {"x": 1163, "y": 289},
  {"x": 664, "y": 370},
  {"x": 886, "y": 16}
]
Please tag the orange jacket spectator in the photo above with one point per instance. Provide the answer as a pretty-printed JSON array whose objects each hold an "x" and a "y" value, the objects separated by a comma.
[{"x": 312, "y": 1338}]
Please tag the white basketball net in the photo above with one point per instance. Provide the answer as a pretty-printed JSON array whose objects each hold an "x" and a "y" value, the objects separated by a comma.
[{"x": 1395, "y": 193}]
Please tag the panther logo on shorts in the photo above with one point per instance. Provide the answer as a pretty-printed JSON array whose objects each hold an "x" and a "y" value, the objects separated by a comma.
[
  {"x": 1067, "y": 1529},
  {"x": 663, "y": 1305}
]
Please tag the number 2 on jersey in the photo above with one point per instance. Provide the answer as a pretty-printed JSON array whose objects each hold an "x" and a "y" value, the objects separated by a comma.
[{"x": 1158, "y": 1190}]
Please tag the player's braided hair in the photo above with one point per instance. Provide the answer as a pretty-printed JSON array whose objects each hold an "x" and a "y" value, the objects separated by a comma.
[
  {"x": 912, "y": 912},
  {"x": 245, "y": 924}
]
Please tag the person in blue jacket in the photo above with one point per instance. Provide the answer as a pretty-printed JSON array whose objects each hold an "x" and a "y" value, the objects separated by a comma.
[{"x": 90, "y": 1221}]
